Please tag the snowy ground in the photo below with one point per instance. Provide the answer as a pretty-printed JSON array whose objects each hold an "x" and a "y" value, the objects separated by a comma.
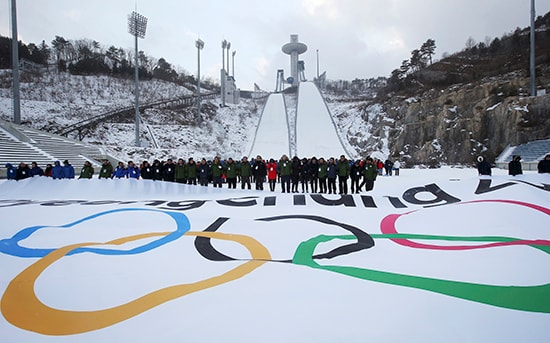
[{"x": 456, "y": 258}]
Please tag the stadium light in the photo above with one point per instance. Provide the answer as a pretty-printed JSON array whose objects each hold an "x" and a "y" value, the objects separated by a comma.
[
  {"x": 222, "y": 72},
  {"x": 200, "y": 45},
  {"x": 228, "y": 47},
  {"x": 137, "y": 25}
]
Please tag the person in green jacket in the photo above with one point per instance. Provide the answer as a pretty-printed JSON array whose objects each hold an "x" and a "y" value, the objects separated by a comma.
[
  {"x": 322, "y": 175},
  {"x": 343, "y": 174},
  {"x": 369, "y": 174},
  {"x": 191, "y": 172},
  {"x": 285, "y": 171},
  {"x": 106, "y": 170},
  {"x": 217, "y": 171},
  {"x": 180, "y": 171},
  {"x": 87, "y": 171},
  {"x": 245, "y": 172},
  {"x": 230, "y": 170}
]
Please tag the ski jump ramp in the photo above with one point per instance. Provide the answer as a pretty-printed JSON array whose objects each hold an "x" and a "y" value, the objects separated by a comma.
[
  {"x": 316, "y": 133},
  {"x": 315, "y": 130},
  {"x": 272, "y": 134}
]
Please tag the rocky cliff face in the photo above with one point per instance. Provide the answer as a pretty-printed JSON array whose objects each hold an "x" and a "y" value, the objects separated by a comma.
[{"x": 455, "y": 125}]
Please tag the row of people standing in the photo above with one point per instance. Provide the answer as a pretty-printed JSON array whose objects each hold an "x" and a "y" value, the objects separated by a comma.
[
  {"x": 317, "y": 175},
  {"x": 56, "y": 171}
]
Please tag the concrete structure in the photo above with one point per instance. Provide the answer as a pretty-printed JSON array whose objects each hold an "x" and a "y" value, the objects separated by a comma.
[
  {"x": 232, "y": 93},
  {"x": 294, "y": 49},
  {"x": 280, "y": 85},
  {"x": 229, "y": 91}
]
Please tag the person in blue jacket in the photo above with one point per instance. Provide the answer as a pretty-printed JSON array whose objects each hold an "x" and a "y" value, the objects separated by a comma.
[
  {"x": 68, "y": 170},
  {"x": 120, "y": 171},
  {"x": 36, "y": 170},
  {"x": 133, "y": 171},
  {"x": 58, "y": 171},
  {"x": 12, "y": 172}
]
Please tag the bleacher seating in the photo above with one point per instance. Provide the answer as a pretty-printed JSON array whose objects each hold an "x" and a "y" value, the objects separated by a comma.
[
  {"x": 15, "y": 151},
  {"x": 23, "y": 144},
  {"x": 531, "y": 153}
]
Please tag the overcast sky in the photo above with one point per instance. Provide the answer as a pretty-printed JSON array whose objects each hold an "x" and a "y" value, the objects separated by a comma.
[{"x": 355, "y": 38}]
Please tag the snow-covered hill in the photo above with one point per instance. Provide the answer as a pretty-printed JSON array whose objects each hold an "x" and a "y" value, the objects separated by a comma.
[{"x": 53, "y": 101}]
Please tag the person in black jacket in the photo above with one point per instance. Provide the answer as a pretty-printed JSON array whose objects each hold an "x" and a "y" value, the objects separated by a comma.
[
  {"x": 157, "y": 170},
  {"x": 203, "y": 171},
  {"x": 332, "y": 172},
  {"x": 23, "y": 171},
  {"x": 259, "y": 171},
  {"x": 295, "y": 173},
  {"x": 314, "y": 174},
  {"x": 544, "y": 165},
  {"x": 169, "y": 171},
  {"x": 355, "y": 172},
  {"x": 483, "y": 167},
  {"x": 304, "y": 175},
  {"x": 146, "y": 171},
  {"x": 514, "y": 166}
]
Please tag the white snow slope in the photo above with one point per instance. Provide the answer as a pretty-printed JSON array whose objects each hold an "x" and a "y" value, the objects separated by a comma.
[
  {"x": 271, "y": 140},
  {"x": 315, "y": 131}
]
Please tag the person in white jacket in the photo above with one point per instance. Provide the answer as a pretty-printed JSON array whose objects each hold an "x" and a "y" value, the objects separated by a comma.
[{"x": 396, "y": 166}]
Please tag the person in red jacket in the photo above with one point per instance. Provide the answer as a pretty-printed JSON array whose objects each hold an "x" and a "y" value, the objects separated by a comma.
[
  {"x": 380, "y": 166},
  {"x": 272, "y": 174}
]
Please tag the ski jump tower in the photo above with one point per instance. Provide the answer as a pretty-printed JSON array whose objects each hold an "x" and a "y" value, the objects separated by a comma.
[{"x": 294, "y": 49}]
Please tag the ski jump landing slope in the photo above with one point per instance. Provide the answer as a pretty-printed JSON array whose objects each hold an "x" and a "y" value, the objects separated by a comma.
[
  {"x": 271, "y": 139},
  {"x": 315, "y": 131}
]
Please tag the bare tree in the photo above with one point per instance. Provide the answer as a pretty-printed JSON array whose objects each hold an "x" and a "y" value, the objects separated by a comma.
[{"x": 470, "y": 43}]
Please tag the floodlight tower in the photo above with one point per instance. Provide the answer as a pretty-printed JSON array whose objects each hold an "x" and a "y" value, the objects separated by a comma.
[
  {"x": 199, "y": 44},
  {"x": 137, "y": 25},
  {"x": 228, "y": 47},
  {"x": 222, "y": 73},
  {"x": 294, "y": 49}
]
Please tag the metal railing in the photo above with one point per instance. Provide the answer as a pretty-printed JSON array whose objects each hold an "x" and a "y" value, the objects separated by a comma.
[{"x": 189, "y": 100}]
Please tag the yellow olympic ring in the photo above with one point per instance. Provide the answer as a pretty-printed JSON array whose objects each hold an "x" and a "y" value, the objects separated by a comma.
[{"x": 21, "y": 307}]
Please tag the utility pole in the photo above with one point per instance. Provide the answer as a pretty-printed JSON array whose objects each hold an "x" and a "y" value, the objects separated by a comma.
[
  {"x": 199, "y": 44},
  {"x": 532, "y": 68},
  {"x": 15, "y": 65},
  {"x": 318, "y": 81}
]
